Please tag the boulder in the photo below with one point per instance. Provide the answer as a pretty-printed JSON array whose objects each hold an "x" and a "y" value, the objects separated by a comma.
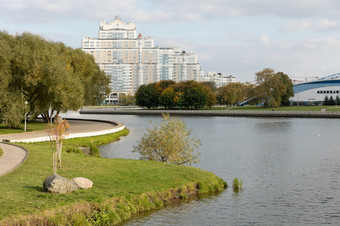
[
  {"x": 58, "y": 184},
  {"x": 82, "y": 183}
]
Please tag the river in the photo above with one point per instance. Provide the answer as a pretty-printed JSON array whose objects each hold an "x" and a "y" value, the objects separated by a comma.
[{"x": 290, "y": 168}]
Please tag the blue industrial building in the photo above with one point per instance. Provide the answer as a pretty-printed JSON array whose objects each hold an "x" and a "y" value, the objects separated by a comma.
[{"x": 314, "y": 92}]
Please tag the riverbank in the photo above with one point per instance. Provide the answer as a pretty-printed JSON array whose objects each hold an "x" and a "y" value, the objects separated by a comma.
[
  {"x": 121, "y": 187},
  {"x": 224, "y": 113}
]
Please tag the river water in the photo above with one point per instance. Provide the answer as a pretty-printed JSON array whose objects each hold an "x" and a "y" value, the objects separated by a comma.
[{"x": 290, "y": 168}]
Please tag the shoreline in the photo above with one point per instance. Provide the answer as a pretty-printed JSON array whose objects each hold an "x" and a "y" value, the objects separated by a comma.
[{"x": 224, "y": 113}]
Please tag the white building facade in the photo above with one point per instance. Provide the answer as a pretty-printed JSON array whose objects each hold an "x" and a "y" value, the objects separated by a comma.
[{"x": 132, "y": 60}]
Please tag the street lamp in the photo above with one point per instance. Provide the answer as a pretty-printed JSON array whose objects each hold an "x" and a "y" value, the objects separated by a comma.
[{"x": 25, "y": 114}]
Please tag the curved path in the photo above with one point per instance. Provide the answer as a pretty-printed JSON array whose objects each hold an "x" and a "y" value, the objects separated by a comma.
[{"x": 14, "y": 155}]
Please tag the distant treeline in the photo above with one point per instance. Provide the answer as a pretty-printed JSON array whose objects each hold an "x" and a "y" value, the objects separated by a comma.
[{"x": 271, "y": 90}]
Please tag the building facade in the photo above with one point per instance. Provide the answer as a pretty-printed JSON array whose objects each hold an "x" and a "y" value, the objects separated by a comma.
[
  {"x": 132, "y": 60},
  {"x": 314, "y": 92}
]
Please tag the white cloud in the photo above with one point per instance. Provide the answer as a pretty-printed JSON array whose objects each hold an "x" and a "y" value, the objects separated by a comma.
[
  {"x": 264, "y": 39},
  {"x": 313, "y": 25}
]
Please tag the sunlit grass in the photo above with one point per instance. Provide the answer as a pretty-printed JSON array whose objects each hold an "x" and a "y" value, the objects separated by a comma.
[
  {"x": 21, "y": 191},
  {"x": 30, "y": 126}
]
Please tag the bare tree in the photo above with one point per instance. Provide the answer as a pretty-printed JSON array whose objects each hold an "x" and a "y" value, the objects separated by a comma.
[{"x": 57, "y": 132}]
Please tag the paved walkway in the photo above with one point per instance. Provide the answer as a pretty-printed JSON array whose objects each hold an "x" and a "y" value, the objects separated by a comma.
[{"x": 13, "y": 155}]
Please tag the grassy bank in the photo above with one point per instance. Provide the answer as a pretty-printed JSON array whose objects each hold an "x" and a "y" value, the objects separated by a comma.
[
  {"x": 121, "y": 187},
  {"x": 30, "y": 126}
]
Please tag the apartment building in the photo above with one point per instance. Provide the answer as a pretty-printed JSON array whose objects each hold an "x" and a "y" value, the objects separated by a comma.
[{"x": 132, "y": 60}]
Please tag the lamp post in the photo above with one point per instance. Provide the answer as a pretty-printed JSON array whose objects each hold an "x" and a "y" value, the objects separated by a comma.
[{"x": 25, "y": 114}]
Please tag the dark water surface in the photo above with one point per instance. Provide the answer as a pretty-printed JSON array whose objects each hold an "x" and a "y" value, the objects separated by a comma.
[{"x": 290, "y": 168}]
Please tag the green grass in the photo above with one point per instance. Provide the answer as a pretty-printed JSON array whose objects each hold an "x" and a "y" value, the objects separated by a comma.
[
  {"x": 288, "y": 108},
  {"x": 30, "y": 126},
  {"x": 121, "y": 187}
]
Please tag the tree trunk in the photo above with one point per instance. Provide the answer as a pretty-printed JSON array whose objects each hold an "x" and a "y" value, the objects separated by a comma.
[{"x": 59, "y": 152}]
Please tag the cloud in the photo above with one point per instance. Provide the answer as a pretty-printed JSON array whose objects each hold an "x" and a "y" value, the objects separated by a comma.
[
  {"x": 312, "y": 25},
  {"x": 264, "y": 39},
  {"x": 166, "y": 10}
]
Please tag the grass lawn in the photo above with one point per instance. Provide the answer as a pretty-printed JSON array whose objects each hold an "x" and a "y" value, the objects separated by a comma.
[
  {"x": 21, "y": 191},
  {"x": 288, "y": 108},
  {"x": 30, "y": 126}
]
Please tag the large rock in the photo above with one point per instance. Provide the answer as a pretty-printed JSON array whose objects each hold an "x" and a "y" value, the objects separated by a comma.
[
  {"x": 82, "y": 183},
  {"x": 58, "y": 184}
]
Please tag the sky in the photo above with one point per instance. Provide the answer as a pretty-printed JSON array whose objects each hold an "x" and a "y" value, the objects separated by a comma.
[{"x": 234, "y": 37}]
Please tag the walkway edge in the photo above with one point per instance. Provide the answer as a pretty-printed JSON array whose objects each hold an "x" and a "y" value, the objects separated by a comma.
[
  {"x": 119, "y": 127},
  {"x": 21, "y": 162}
]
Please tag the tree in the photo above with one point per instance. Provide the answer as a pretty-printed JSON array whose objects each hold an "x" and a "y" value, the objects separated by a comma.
[
  {"x": 147, "y": 96},
  {"x": 288, "y": 88},
  {"x": 167, "y": 98},
  {"x": 57, "y": 133},
  {"x": 126, "y": 99},
  {"x": 11, "y": 102},
  {"x": 232, "y": 93},
  {"x": 337, "y": 100},
  {"x": 326, "y": 101},
  {"x": 170, "y": 142},
  {"x": 191, "y": 93},
  {"x": 210, "y": 96},
  {"x": 270, "y": 88},
  {"x": 51, "y": 77}
]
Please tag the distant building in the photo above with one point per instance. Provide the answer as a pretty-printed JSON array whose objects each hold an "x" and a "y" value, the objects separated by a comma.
[
  {"x": 219, "y": 79},
  {"x": 132, "y": 60},
  {"x": 314, "y": 92}
]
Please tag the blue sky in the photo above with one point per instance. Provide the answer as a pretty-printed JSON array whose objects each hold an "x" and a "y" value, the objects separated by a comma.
[{"x": 233, "y": 37}]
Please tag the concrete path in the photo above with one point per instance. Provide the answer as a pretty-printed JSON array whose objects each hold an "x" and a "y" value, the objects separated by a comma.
[
  {"x": 13, "y": 155},
  {"x": 78, "y": 128}
]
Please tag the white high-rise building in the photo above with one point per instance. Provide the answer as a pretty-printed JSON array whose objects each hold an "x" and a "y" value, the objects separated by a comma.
[{"x": 132, "y": 60}]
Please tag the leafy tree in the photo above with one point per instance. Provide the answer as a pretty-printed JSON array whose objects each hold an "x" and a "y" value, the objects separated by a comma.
[
  {"x": 167, "y": 98},
  {"x": 147, "y": 96},
  {"x": 126, "y": 99},
  {"x": 164, "y": 84},
  {"x": 231, "y": 93},
  {"x": 288, "y": 88},
  {"x": 11, "y": 102},
  {"x": 50, "y": 76},
  {"x": 192, "y": 95},
  {"x": 210, "y": 96},
  {"x": 170, "y": 142},
  {"x": 270, "y": 88},
  {"x": 212, "y": 85}
]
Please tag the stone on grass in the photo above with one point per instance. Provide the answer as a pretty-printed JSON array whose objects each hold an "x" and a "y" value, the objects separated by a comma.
[
  {"x": 58, "y": 184},
  {"x": 82, "y": 182}
]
